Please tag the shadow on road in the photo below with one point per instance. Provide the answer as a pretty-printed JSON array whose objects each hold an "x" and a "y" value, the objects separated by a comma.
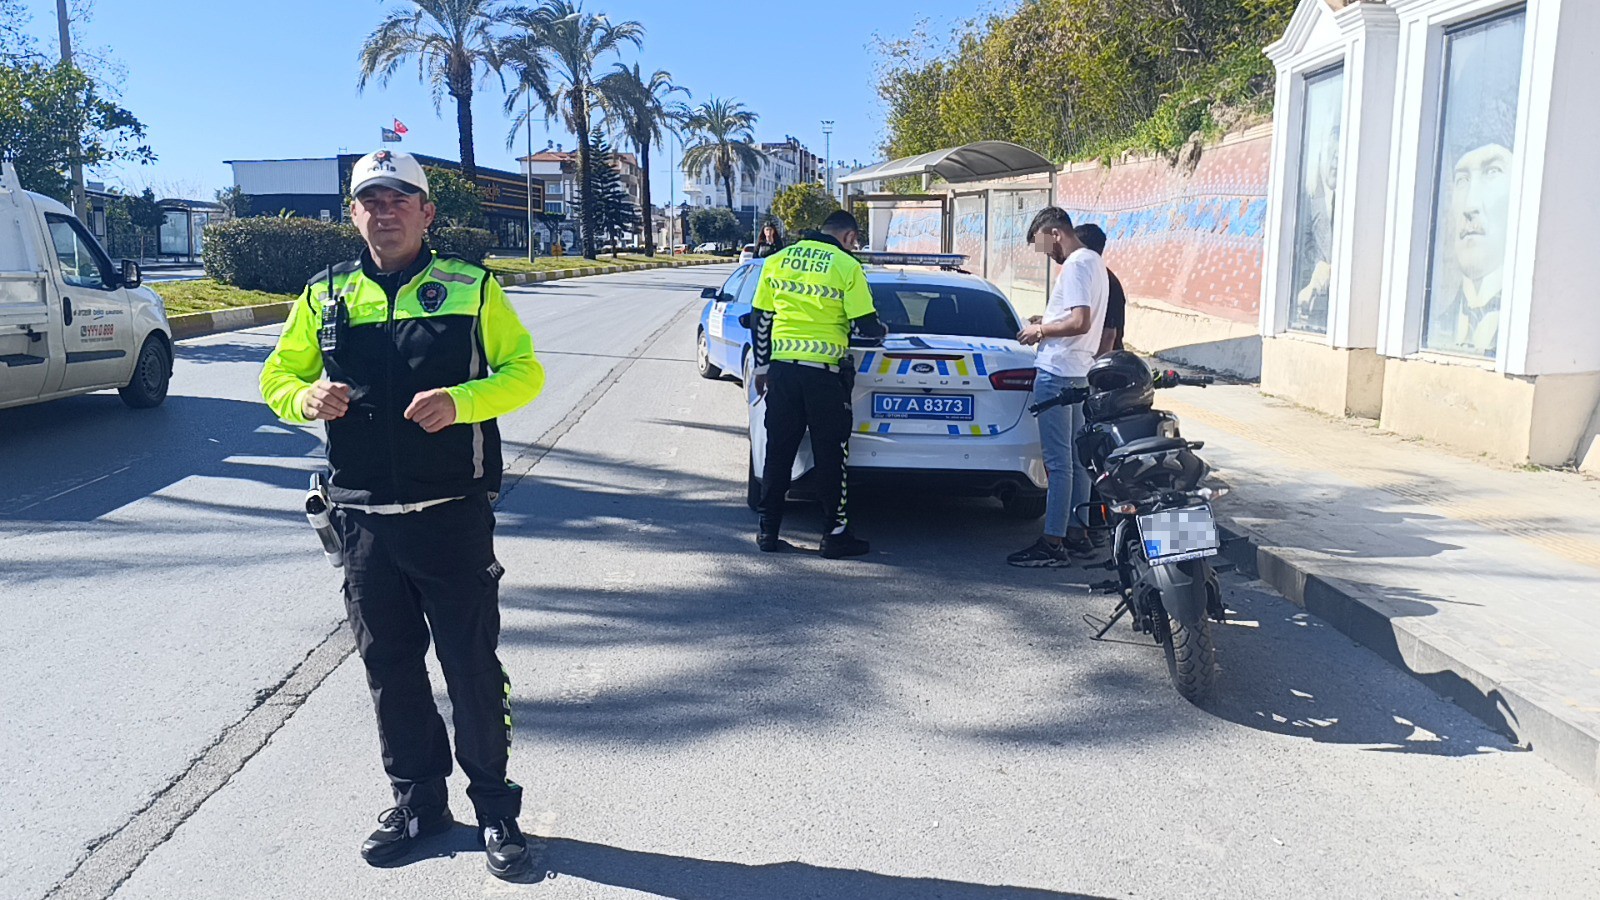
[
  {"x": 789, "y": 639},
  {"x": 682, "y": 878},
  {"x": 74, "y": 460}
]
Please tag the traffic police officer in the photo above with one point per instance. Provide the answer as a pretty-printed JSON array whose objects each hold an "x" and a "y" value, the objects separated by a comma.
[
  {"x": 809, "y": 296},
  {"x": 408, "y": 357}
]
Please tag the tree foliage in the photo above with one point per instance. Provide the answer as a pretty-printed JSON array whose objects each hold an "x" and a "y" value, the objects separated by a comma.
[
  {"x": 459, "y": 202},
  {"x": 725, "y": 139},
  {"x": 41, "y": 107},
  {"x": 616, "y": 214},
  {"x": 714, "y": 224},
  {"x": 643, "y": 110},
  {"x": 802, "y": 207},
  {"x": 453, "y": 44},
  {"x": 1081, "y": 78},
  {"x": 554, "y": 49}
]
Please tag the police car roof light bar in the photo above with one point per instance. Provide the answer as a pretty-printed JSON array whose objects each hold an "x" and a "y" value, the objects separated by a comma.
[{"x": 937, "y": 260}]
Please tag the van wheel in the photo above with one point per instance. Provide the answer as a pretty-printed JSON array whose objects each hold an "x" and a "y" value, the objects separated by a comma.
[
  {"x": 1024, "y": 506},
  {"x": 151, "y": 376}
]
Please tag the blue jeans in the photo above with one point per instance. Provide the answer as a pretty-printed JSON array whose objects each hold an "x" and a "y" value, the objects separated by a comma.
[{"x": 1058, "y": 431}]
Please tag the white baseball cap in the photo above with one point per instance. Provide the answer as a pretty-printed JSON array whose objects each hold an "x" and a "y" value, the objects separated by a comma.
[{"x": 386, "y": 168}]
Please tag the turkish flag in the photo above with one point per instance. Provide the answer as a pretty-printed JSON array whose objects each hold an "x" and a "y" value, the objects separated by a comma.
[{"x": 400, "y": 127}]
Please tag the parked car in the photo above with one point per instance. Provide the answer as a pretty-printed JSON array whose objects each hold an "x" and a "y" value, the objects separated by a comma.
[
  {"x": 70, "y": 321},
  {"x": 942, "y": 401},
  {"x": 747, "y": 253}
]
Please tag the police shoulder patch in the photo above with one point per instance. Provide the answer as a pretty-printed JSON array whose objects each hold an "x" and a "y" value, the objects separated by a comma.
[{"x": 431, "y": 296}]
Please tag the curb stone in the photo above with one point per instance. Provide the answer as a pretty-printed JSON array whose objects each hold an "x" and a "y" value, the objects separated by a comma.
[
  {"x": 237, "y": 318},
  {"x": 1531, "y": 714}
]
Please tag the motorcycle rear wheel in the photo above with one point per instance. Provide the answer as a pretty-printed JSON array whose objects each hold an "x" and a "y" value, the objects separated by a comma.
[{"x": 1191, "y": 659}]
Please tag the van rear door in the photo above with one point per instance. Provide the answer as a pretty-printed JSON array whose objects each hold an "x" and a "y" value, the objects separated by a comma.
[
  {"x": 27, "y": 339},
  {"x": 97, "y": 325}
]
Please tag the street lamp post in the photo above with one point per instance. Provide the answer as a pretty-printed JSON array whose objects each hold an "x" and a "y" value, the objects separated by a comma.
[{"x": 827, "y": 162}]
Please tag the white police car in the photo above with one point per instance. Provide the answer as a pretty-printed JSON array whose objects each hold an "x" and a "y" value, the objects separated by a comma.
[{"x": 943, "y": 402}]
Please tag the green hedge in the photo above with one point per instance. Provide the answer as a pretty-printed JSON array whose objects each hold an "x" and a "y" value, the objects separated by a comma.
[
  {"x": 471, "y": 244},
  {"x": 278, "y": 255}
]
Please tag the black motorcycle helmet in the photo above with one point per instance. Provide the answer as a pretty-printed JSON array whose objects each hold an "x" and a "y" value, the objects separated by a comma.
[{"x": 1120, "y": 384}]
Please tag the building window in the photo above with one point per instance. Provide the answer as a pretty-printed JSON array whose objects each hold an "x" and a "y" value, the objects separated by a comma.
[
  {"x": 1469, "y": 247},
  {"x": 1314, "y": 212}
]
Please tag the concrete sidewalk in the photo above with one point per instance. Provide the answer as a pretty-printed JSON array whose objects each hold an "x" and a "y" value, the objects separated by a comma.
[{"x": 1481, "y": 580}]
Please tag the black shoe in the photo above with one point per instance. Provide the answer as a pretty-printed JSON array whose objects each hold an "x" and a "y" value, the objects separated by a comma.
[
  {"x": 1040, "y": 554},
  {"x": 838, "y": 546},
  {"x": 505, "y": 847},
  {"x": 767, "y": 535},
  {"x": 399, "y": 828},
  {"x": 1079, "y": 545}
]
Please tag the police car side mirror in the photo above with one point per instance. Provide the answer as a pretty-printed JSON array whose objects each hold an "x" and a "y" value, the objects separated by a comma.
[
  {"x": 744, "y": 321},
  {"x": 709, "y": 294}
]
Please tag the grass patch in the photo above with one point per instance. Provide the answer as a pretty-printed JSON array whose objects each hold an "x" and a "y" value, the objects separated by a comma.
[{"x": 207, "y": 294}]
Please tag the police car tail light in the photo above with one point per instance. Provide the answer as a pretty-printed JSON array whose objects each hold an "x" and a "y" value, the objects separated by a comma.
[{"x": 1012, "y": 380}]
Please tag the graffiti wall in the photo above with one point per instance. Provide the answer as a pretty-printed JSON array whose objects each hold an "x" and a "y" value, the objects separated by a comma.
[
  {"x": 1193, "y": 240},
  {"x": 914, "y": 229}
]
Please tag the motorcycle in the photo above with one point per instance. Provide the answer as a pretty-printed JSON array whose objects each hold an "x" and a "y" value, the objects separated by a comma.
[{"x": 1148, "y": 497}]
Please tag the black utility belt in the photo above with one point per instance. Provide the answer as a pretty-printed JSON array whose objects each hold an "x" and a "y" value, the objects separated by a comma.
[{"x": 826, "y": 367}]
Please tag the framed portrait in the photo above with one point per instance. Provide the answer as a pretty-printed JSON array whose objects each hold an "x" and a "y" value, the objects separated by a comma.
[
  {"x": 1316, "y": 205},
  {"x": 1476, "y": 152}
]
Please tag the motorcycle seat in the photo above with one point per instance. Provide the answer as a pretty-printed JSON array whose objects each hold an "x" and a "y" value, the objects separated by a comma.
[{"x": 1146, "y": 445}]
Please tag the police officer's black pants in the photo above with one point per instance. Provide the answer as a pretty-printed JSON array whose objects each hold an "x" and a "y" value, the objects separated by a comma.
[
  {"x": 407, "y": 575},
  {"x": 798, "y": 398}
]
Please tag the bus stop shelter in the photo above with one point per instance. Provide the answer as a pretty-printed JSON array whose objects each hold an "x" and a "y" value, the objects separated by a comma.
[{"x": 991, "y": 191}]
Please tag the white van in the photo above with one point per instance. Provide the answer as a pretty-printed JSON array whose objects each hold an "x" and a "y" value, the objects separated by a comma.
[{"x": 70, "y": 323}]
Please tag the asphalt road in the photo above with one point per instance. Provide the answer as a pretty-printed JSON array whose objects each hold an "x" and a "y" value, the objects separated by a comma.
[{"x": 695, "y": 719}]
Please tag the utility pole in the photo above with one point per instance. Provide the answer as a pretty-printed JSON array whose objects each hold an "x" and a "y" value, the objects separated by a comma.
[
  {"x": 827, "y": 162},
  {"x": 528, "y": 169},
  {"x": 672, "y": 196},
  {"x": 80, "y": 200}
]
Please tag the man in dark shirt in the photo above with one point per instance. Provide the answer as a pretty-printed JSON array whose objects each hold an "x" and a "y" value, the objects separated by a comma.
[{"x": 1117, "y": 304}]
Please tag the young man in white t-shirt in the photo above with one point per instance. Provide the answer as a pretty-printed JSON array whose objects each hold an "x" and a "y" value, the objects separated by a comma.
[{"x": 1068, "y": 336}]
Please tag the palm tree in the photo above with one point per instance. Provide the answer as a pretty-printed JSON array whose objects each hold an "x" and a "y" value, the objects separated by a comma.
[
  {"x": 452, "y": 43},
  {"x": 553, "y": 49},
  {"x": 643, "y": 111},
  {"x": 724, "y": 128}
]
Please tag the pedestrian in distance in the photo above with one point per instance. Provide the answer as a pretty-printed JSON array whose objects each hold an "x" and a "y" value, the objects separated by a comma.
[
  {"x": 811, "y": 294},
  {"x": 1068, "y": 336},
  {"x": 1116, "y": 301},
  {"x": 408, "y": 358},
  {"x": 770, "y": 241}
]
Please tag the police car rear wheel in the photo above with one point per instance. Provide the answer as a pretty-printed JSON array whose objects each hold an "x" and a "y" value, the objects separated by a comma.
[
  {"x": 151, "y": 376},
  {"x": 703, "y": 358},
  {"x": 1023, "y": 506},
  {"x": 752, "y": 493}
]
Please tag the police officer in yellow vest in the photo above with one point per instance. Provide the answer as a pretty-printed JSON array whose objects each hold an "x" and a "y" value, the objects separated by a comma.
[
  {"x": 810, "y": 295},
  {"x": 408, "y": 357}
]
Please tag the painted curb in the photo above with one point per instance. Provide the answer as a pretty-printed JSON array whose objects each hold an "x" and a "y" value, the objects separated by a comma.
[
  {"x": 237, "y": 318},
  {"x": 1530, "y": 713}
]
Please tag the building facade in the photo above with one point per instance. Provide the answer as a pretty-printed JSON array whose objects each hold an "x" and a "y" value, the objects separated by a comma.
[
  {"x": 558, "y": 170},
  {"x": 783, "y": 164},
  {"x": 318, "y": 188},
  {"x": 1431, "y": 195}
]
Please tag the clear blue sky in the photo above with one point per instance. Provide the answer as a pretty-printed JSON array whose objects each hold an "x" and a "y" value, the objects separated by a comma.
[{"x": 215, "y": 79}]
